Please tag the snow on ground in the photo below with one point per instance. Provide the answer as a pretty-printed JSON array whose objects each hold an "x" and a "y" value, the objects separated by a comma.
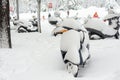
[{"x": 36, "y": 56}]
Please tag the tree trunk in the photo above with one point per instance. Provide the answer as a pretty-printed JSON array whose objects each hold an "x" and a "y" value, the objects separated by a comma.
[
  {"x": 5, "y": 40},
  {"x": 17, "y": 9},
  {"x": 39, "y": 8}
]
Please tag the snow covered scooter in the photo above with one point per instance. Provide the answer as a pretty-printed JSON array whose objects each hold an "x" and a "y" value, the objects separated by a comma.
[
  {"x": 74, "y": 44},
  {"x": 26, "y": 26},
  {"x": 96, "y": 26}
]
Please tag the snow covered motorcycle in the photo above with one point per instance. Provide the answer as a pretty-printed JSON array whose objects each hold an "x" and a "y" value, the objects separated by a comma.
[
  {"x": 26, "y": 26},
  {"x": 74, "y": 44},
  {"x": 98, "y": 27}
]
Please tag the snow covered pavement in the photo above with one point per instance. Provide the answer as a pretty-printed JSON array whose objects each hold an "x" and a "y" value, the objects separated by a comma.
[{"x": 36, "y": 56}]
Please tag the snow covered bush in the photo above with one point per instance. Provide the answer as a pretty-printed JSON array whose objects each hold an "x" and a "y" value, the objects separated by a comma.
[
  {"x": 112, "y": 5},
  {"x": 74, "y": 44}
]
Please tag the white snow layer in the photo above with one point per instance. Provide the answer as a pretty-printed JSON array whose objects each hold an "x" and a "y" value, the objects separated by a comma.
[
  {"x": 36, "y": 56},
  {"x": 100, "y": 25},
  {"x": 70, "y": 22}
]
